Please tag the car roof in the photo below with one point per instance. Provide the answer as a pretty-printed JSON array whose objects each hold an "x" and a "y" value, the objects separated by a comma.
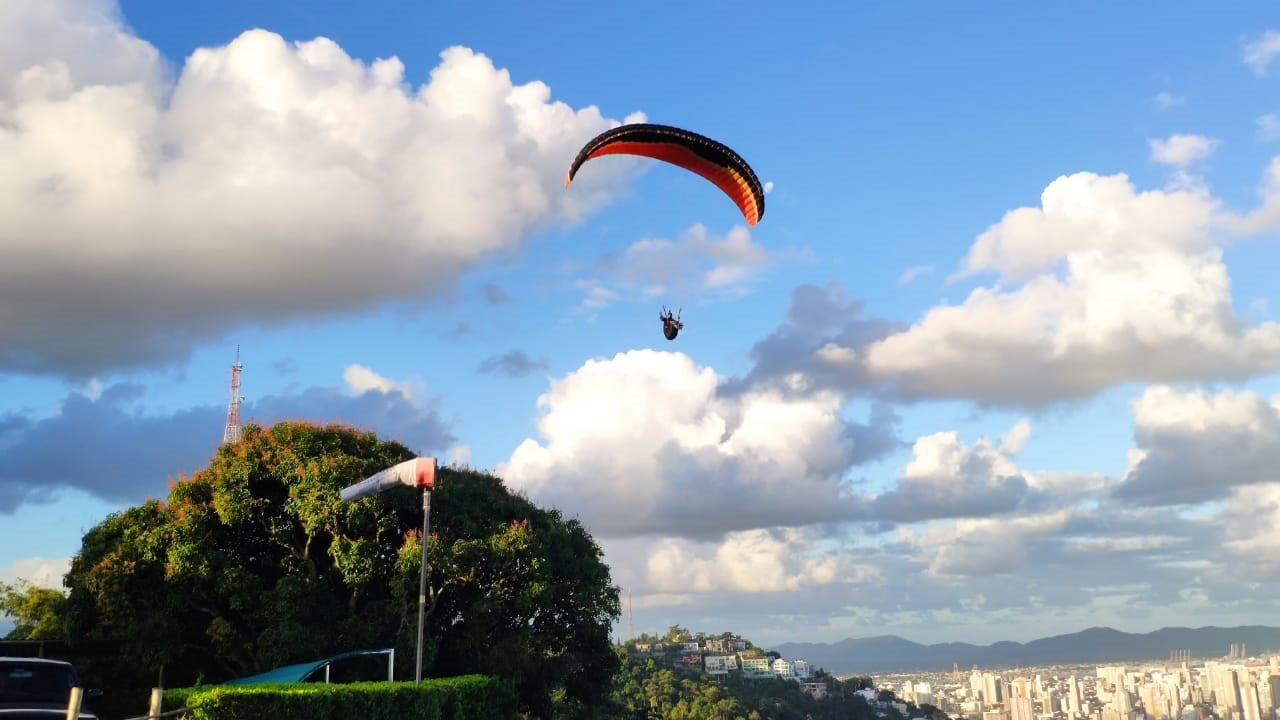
[{"x": 34, "y": 660}]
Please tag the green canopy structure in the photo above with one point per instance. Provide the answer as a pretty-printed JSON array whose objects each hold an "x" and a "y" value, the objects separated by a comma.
[{"x": 300, "y": 672}]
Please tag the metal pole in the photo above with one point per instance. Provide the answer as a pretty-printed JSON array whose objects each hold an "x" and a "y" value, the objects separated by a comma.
[
  {"x": 153, "y": 710},
  {"x": 422, "y": 576},
  {"x": 73, "y": 704}
]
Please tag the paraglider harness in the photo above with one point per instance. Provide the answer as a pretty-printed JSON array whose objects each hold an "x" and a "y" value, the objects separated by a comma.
[{"x": 671, "y": 325}]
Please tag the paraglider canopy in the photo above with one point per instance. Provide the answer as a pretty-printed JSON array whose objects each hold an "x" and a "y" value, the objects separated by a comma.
[{"x": 689, "y": 150}]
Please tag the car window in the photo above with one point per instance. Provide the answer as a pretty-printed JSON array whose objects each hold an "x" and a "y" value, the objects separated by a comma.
[{"x": 34, "y": 683}]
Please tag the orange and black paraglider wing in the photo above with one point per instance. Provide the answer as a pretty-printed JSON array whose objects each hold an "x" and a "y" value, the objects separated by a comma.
[{"x": 689, "y": 150}]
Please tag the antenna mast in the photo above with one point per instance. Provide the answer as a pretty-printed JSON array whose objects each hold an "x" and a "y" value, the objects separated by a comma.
[
  {"x": 231, "y": 433},
  {"x": 631, "y": 618}
]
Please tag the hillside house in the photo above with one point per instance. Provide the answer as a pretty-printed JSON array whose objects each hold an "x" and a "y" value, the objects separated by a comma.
[
  {"x": 719, "y": 664},
  {"x": 756, "y": 667},
  {"x": 816, "y": 689},
  {"x": 690, "y": 661}
]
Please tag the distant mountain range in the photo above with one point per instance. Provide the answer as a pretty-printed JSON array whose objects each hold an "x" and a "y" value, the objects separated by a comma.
[{"x": 890, "y": 653}]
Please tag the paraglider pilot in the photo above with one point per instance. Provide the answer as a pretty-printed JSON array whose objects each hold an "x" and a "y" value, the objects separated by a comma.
[{"x": 671, "y": 325}]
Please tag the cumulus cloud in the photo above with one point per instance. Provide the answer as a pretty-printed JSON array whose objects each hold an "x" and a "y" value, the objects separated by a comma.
[
  {"x": 361, "y": 379},
  {"x": 1267, "y": 215},
  {"x": 987, "y": 546},
  {"x": 1084, "y": 212},
  {"x": 1259, "y": 53},
  {"x": 121, "y": 453},
  {"x": 699, "y": 262},
  {"x": 752, "y": 561},
  {"x": 1182, "y": 150},
  {"x": 1251, "y": 520},
  {"x": 39, "y": 571},
  {"x": 514, "y": 363},
  {"x": 819, "y": 344},
  {"x": 947, "y": 479},
  {"x": 643, "y": 443},
  {"x": 1109, "y": 286},
  {"x": 1195, "y": 446},
  {"x": 267, "y": 181}
]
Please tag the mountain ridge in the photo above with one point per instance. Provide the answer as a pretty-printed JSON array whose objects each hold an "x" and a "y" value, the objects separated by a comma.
[{"x": 1097, "y": 644}]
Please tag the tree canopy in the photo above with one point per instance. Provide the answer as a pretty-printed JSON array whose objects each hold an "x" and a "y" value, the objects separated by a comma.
[
  {"x": 39, "y": 613},
  {"x": 646, "y": 687},
  {"x": 255, "y": 562}
]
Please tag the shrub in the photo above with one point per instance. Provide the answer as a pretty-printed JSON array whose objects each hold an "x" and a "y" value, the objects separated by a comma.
[{"x": 456, "y": 698}]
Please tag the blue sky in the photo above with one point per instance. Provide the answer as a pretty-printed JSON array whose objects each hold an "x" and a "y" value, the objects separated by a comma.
[{"x": 825, "y": 450}]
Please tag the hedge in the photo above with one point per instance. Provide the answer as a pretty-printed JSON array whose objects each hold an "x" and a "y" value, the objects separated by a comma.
[{"x": 457, "y": 698}]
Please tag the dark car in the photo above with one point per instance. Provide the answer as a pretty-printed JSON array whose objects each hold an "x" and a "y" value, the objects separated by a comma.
[{"x": 39, "y": 689}]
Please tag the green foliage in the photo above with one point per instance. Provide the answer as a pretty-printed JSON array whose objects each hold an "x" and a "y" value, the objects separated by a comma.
[
  {"x": 676, "y": 633},
  {"x": 255, "y": 562},
  {"x": 470, "y": 696},
  {"x": 645, "y": 689},
  {"x": 38, "y": 613}
]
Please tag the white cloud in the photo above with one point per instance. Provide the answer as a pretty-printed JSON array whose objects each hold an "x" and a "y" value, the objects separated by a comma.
[
  {"x": 1165, "y": 100},
  {"x": 1116, "y": 286},
  {"x": 987, "y": 546},
  {"x": 1012, "y": 442},
  {"x": 460, "y": 455},
  {"x": 39, "y": 571},
  {"x": 1259, "y": 53},
  {"x": 361, "y": 379},
  {"x": 1269, "y": 127},
  {"x": 1267, "y": 215},
  {"x": 1182, "y": 150},
  {"x": 914, "y": 272},
  {"x": 1251, "y": 521},
  {"x": 644, "y": 443},
  {"x": 1084, "y": 212},
  {"x": 1067, "y": 485},
  {"x": 269, "y": 180},
  {"x": 752, "y": 561},
  {"x": 1195, "y": 446},
  {"x": 81, "y": 39},
  {"x": 946, "y": 478},
  {"x": 768, "y": 186},
  {"x": 1136, "y": 543},
  {"x": 699, "y": 262}
]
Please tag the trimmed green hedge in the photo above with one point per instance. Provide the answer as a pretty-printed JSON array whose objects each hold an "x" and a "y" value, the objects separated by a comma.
[{"x": 465, "y": 697}]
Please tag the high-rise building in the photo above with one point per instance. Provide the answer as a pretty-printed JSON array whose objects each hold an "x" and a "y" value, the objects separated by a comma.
[
  {"x": 1020, "y": 708},
  {"x": 1121, "y": 701},
  {"x": 1073, "y": 698},
  {"x": 992, "y": 690},
  {"x": 1249, "y": 697}
]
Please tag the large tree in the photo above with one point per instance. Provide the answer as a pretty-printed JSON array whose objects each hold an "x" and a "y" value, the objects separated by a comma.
[{"x": 255, "y": 562}]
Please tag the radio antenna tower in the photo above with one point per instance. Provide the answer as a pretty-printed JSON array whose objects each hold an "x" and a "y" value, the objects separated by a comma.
[
  {"x": 631, "y": 619},
  {"x": 231, "y": 433}
]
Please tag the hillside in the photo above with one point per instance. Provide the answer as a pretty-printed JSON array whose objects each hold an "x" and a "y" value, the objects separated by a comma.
[{"x": 890, "y": 653}]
